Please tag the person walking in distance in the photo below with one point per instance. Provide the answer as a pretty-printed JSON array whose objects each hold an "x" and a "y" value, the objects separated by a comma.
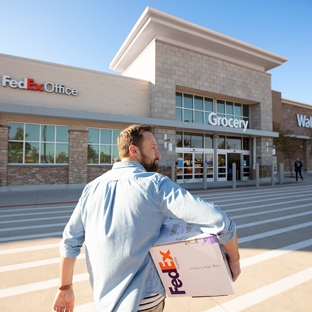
[
  {"x": 298, "y": 165},
  {"x": 119, "y": 216}
]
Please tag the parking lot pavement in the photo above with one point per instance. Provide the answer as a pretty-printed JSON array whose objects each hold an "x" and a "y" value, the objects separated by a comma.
[
  {"x": 274, "y": 234},
  {"x": 70, "y": 193}
]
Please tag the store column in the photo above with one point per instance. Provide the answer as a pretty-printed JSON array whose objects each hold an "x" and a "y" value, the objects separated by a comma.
[
  {"x": 4, "y": 134},
  {"x": 78, "y": 157}
]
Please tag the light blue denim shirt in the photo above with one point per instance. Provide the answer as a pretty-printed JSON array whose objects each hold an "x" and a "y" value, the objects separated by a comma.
[{"x": 118, "y": 217}]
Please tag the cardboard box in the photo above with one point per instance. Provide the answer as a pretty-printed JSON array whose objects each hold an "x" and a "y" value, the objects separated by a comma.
[{"x": 190, "y": 262}]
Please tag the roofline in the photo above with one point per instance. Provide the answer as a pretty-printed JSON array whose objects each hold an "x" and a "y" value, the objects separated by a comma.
[{"x": 160, "y": 26}]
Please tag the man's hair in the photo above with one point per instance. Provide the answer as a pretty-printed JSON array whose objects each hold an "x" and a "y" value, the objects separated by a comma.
[{"x": 133, "y": 135}]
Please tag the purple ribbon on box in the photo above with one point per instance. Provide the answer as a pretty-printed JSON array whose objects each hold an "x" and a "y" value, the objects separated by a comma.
[{"x": 209, "y": 240}]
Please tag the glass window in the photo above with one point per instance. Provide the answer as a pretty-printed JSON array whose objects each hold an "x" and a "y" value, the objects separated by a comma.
[
  {"x": 62, "y": 134},
  {"x": 229, "y": 108},
  {"x": 221, "y": 142},
  {"x": 179, "y": 114},
  {"x": 93, "y": 135},
  {"x": 178, "y": 139},
  {"x": 198, "y": 103},
  {"x": 199, "y": 117},
  {"x": 188, "y": 101},
  {"x": 106, "y": 136},
  {"x": 197, "y": 141},
  {"x": 47, "y": 133},
  {"x": 208, "y": 141},
  {"x": 32, "y": 132},
  {"x": 47, "y": 153},
  {"x": 15, "y": 153},
  {"x": 38, "y": 144},
  {"x": 102, "y": 146},
  {"x": 220, "y": 107},
  {"x": 61, "y": 152},
  {"x": 238, "y": 110},
  {"x": 245, "y": 110},
  {"x": 208, "y": 105},
  {"x": 16, "y": 131},
  {"x": 246, "y": 144},
  {"x": 188, "y": 115},
  {"x": 179, "y": 99},
  {"x": 234, "y": 143}
]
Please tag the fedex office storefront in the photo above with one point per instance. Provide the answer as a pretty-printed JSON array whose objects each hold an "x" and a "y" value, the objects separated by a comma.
[{"x": 207, "y": 96}]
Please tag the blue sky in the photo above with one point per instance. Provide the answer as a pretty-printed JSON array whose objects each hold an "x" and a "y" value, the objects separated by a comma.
[{"x": 88, "y": 33}]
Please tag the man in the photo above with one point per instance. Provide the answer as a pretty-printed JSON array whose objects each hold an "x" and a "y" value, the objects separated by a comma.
[
  {"x": 119, "y": 216},
  {"x": 298, "y": 165}
]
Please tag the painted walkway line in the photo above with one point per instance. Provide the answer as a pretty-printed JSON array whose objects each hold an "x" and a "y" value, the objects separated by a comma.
[{"x": 264, "y": 293}]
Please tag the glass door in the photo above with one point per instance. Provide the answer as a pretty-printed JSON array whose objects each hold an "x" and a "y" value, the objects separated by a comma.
[
  {"x": 189, "y": 167},
  {"x": 246, "y": 167},
  {"x": 222, "y": 174}
]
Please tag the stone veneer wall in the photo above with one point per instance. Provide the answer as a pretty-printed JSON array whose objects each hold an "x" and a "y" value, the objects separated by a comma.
[
  {"x": 78, "y": 157},
  {"x": 179, "y": 67},
  {"x": 34, "y": 175}
]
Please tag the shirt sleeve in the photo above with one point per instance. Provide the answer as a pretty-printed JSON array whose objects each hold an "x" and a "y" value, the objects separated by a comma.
[
  {"x": 73, "y": 235},
  {"x": 178, "y": 203}
]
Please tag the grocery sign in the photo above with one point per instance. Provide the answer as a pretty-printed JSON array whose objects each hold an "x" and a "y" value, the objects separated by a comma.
[{"x": 30, "y": 84}]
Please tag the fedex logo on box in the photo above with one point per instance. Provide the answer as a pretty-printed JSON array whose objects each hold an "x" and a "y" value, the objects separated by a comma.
[
  {"x": 168, "y": 266},
  {"x": 30, "y": 84}
]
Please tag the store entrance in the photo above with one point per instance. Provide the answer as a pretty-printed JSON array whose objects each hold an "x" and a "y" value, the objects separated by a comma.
[{"x": 233, "y": 158}]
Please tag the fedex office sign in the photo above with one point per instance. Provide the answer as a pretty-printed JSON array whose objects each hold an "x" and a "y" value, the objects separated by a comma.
[{"x": 30, "y": 84}]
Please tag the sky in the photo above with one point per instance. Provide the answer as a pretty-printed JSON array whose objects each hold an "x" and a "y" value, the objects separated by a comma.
[{"x": 89, "y": 33}]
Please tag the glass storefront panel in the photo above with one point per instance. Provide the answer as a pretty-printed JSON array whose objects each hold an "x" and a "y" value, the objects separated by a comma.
[
  {"x": 32, "y": 154},
  {"x": 47, "y": 153},
  {"x": 62, "y": 134},
  {"x": 15, "y": 153},
  {"x": 16, "y": 131},
  {"x": 32, "y": 132},
  {"x": 246, "y": 166},
  {"x": 93, "y": 135},
  {"x": 93, "y": 154},
  {"x": 105, "y": 154},
  {"x": 234, "y": 143},
  {"x": 106, "y": 136},
  {"x": 209, "y": 162},
  {"x": 208, "y": 141},
  {"x": 47, "y": 133},
  {"x": 61, "y": 152},
  {"x": 222, "y": 166},
  {"x": 198, "y": 165}
]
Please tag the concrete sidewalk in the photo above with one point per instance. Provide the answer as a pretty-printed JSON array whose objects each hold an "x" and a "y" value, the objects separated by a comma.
[{"x": 11, "y": 196}]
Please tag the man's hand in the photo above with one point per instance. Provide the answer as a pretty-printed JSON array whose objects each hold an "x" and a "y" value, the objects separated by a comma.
[
  {"x": 64, "y": 301},
  {"x": 235, "y": 269}
]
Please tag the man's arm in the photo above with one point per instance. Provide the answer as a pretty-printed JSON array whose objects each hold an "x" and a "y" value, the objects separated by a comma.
[
  {"x": 65, "y": 298},
  {"x": 231, "y": 249}
]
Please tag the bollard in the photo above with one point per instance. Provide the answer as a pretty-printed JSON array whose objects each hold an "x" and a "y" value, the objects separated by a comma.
[
  {"x": 233, "y": 175},
  {"x": 272, "y": 175},
  {"x": 257, "y": 175},
  {"x": 205, "y": 176},
  {"x": 281, "y": 173},
  {"x": 173, "y": 168}
]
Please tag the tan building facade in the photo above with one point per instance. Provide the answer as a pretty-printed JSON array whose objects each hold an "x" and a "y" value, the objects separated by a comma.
[{"x": 207, "y": 96}]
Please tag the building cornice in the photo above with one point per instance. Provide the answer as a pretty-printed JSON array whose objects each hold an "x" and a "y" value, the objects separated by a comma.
[{"x": 162, "y": 27}]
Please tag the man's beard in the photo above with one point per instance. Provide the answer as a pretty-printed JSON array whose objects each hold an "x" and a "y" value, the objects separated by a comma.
[{"x": 149, "y": 166}]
